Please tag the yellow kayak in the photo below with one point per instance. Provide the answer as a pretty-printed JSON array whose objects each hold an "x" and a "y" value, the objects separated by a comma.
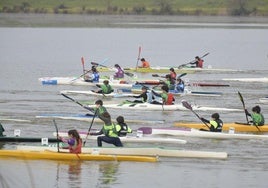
[
  {"x": 50, "y": 155},
  {"x": 238, "y": 127}
]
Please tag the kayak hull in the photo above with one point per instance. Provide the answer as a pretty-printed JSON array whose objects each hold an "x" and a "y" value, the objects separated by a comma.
[
  {"x": 140, "y": 151},
  {"x": 159, "y": 107},
  {"x": 51, "y": 155},
  {"x": 201, "y": 134},
  {"x": 132, "y": 139},
  {"x": 226, "y": 127}
]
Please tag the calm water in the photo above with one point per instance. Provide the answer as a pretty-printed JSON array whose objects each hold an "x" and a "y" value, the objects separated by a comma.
[{"x": 30, "y": 53}]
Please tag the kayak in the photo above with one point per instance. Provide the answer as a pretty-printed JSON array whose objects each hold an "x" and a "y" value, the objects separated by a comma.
[
  {"x": 155, "y": 69},
  {"x": 91, "y": 93},
  {"x": 51, "y": 155},
  {"x": 156, "y": 107},
  {"x": 264, "y": 79},
  {"x": 208, "y": 84},
  {"x": 239, "y": 127},
  {"x": 132, "y": 139},
  {"x": 140, "y": 151},
  {"x": 81, "y": 81},
  {"x": 24, "y": 139},
  {"x": 88, "y": 118},
  {"x": 161, "y": 69},
  {"x": 264, "y": 100},
  {"x": 137, "y": 90},
  {"x": 190, "y": 132}
]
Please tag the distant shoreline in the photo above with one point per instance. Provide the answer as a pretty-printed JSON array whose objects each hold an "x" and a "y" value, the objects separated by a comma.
[{"x": 63, "y": 20}]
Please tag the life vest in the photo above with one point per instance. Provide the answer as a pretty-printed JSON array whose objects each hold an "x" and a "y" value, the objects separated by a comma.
[
  {"x": 106, "y": 89},
  {"x": 200, "y": 63},
  {"x": 216, "y": 126},
  {"x": 111, "y": 130},
  {"x": 170, "y": 99},
  {"x": 119, "y": 73},
  {"x": 149, "y": 97},
  {"x": 95, "y": 77},
  {"x": 257, "y": 119},
  {"x": 76, "y": 148},
  {"x": 124, "y": 129},
  {"x": 145, "y": 64}
]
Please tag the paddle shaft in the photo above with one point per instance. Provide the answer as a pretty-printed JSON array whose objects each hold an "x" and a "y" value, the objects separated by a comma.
[
  {"x": 57, "y": 131},
  {"x": 139, "y": 56},
  {"x": 188, "y": 106},
  {"x": 244, "y": 107},
  {"x": 192, "y": 61},
  {"x": 90, "y": 126},
  {"x": 76, "y": 102},
  {"x": 127, "y": 73}
]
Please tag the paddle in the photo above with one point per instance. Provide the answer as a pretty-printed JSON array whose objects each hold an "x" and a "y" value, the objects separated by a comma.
[
  {"x": 76, "y": 102},
  {"x": 57, "y": 131},
  {"x": 188, "y": 106},
  {"x": 83, "y": 65},
  {"x": 139, "y": 55},
  {"x": 80, "y": 76},
  {"x": 183, "y": 65},
  {"x": 244, "y": 107},
  {"x": 90, "y": 127},
  {"x": 98, "y": 64},
  {"x": 156, "y": 75}
]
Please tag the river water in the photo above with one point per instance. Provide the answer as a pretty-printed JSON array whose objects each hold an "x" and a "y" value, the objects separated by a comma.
[{"x": 30, "y": 53}]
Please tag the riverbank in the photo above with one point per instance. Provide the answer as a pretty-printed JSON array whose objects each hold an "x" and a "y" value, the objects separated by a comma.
[{"x": 131, "y": 21}]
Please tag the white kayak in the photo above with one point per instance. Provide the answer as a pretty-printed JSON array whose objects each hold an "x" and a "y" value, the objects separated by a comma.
[
  {"x": 91, "y": 93},
  {"x": 190, "y": 132},
  {"x": 88, "y": 118},
  {"x": 264, "y": 100},
  {"x": 82, "y": 82},
  {"x": 159, "y": 107},
  {"x": 141, "y": 151},
  {"x": 132, "y": 139},
  {"x": 264, "y": 79}
]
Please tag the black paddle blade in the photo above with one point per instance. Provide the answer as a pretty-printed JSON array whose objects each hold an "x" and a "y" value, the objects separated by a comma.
[
  {"x": 67, "y": 97},
  {"x": 155, "y": 75},
  {"x": 241, "y": 98},
  {"x": 205, "y": 55},
  {"x": 94, "y": 63},
  {"x": 186, "y": 105},
  {"x": 129, "y": 74},
  {"x": 183, "y": 74}
]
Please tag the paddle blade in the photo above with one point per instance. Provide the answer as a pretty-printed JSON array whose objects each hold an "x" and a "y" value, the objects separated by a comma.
[
  {"x": 186, "y": 105},
  {"x": 155, "y": 75},
  {"x": 183, "y": 74},
  {"x": 241, "y": 98},
  {"x": 83, "y": 61},
  {"x": 205, "y": 55},
  {"x": 129, "y": 74}
]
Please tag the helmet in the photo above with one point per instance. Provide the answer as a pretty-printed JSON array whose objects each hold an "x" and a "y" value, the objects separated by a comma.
[{"x": 215, "y": 116}]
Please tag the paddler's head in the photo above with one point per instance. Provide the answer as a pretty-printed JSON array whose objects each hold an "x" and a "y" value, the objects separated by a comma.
[{"x": 99, "y": 103}]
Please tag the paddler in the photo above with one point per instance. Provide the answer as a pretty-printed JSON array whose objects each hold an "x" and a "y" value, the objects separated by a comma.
[
  {"x": 109, "y": 130},
  {"x": 215, "y": 123},
  {"x": 256, "y": 115},
  {"x": 1, "y": 130},
  {"x": 74, "y": 142},
  {"x": 105, "y": 88}
]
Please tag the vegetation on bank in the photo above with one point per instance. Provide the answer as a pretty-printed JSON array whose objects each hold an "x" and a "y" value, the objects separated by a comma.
[{"x": 138, "y": 7}]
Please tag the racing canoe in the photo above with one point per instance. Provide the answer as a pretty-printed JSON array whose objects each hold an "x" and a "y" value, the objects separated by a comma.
[
  {"x": 264, "y": 100},
  {"x": 161, "y": 69},
  {"x": 157, "y": 107},
  {"x": 264, "y": 79},
  {"x": 88, "y": 118},
  {"x": 140, "y": 151},
  {"x": 51, "y": 155},
  {"x": 91, "y": 93},
  {"x": 190, "y": 132},
  {"x": 133, "y": 139},
  {"x": 81, "y": 82},
  {"x": 238, "y": 127},
  {"x": 24, "y": 139}
]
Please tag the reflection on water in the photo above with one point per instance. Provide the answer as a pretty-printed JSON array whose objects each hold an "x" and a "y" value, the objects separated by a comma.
[{"x": 108, "y": 172}]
